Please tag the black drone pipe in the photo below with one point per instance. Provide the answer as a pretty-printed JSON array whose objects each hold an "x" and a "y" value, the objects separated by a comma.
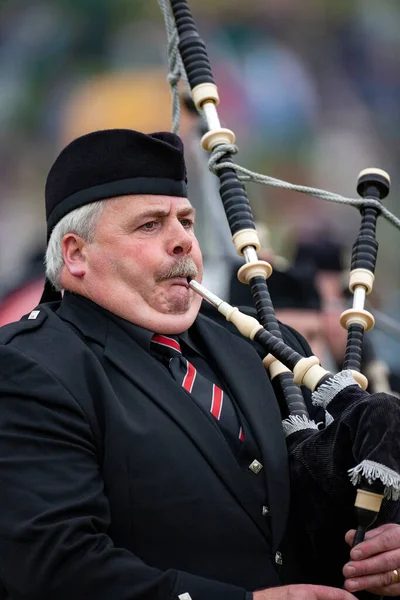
[
  {"x": 372, "y": 184},
  {"x": 233, "y": 194}
]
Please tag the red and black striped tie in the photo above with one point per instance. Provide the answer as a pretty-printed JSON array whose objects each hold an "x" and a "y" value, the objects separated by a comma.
[{"x": 206, "y": 393}]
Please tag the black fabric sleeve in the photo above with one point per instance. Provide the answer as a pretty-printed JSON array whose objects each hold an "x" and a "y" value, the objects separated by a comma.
[{"x": 54, "y": 511}]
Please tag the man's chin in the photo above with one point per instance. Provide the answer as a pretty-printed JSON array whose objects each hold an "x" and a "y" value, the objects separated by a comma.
[
  {"x": 177, "y": 308},
  {"x": 183, "y": 304},
  {"x": 178, "y": 300}
]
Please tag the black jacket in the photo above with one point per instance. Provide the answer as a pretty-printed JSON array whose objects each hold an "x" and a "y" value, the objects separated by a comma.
[{"x": 112, "y": 485}]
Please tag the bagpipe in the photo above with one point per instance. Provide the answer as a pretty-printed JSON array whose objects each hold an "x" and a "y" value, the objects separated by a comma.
[{"x": 358, "y": 446}]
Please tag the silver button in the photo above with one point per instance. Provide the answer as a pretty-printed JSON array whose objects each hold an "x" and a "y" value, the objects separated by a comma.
[
  {"x": 278, "y": 558},
  {"x": 185, "y": 596},
  {"x": 265, "y": 511},
  {"x": 255, "y": 466}
]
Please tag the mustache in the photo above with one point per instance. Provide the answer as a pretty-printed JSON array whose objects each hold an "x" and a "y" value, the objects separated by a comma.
[{"x": 183, "y": 267}]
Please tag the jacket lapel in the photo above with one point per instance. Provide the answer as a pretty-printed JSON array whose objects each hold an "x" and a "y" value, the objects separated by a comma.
[
  {"x": 152, "y": 379},
  {"x": 243, "y": 371}
]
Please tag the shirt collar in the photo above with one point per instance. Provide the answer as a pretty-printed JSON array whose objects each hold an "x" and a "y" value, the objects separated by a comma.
[
  {"x": 188, "y": 337},
  {"x": 141, "y": 335}
]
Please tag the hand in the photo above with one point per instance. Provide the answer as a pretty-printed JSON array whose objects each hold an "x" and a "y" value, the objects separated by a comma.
[
  {"x": 303, "y": 592},
  {"x": 372, "y": 570}
]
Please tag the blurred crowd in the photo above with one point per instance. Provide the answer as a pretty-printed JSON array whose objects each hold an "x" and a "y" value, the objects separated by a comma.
[{"x": 311, "y": 89}]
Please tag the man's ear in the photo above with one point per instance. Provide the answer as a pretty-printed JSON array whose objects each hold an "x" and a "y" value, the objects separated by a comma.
[{"x": 73, "y": 250}]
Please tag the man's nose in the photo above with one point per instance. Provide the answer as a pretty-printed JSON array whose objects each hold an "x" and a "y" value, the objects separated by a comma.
[{"x": 180, "y": 242}]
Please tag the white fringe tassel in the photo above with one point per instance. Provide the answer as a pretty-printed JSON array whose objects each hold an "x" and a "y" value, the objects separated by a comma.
[
  {"x": 297, "y": 423},
  {"x": 328, "y": 418},
  {"x": 327, "y": 391},
  {"x": 372, "y": 471}
]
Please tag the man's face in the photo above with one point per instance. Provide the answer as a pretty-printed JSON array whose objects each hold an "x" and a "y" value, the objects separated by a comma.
[{"x": 143, "y": 251}]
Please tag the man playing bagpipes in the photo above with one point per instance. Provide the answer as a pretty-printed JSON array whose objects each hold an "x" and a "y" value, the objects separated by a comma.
[{"x": 142, "y": 454}]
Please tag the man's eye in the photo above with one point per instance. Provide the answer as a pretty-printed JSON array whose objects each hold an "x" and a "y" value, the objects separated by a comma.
[
  {"x": 149, "y": 225},
  {"x": 187, "y": 223}
]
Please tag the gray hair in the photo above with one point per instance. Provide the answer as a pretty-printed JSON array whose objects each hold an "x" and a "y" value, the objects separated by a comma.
[{"x": 81, "y": 221}]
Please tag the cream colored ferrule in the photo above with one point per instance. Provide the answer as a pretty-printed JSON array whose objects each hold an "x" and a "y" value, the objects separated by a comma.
[
  {"x": 313, "y": 376},
  {"x": 205, "y": 92},
  {"x": 247, "y": 325},
  {"x": 359, "y": 317},
  {"x": 216, "y": 137},
  {"x": 368, "y": 500},
  {"x": 361, "y": 277},
  {"x": 261, "y": 268},
  {"x": 227, "y": 310},
  {"x": 268, "y": 360},
  {"x": 374, "y": 171},
  {"x": 360, "y": 379},
  {"x": 246, "y": 237},
  {"x": 302, "y": 367},
  {"x": 359, "y": 297},
  {"x": 276, "y": 368}
]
